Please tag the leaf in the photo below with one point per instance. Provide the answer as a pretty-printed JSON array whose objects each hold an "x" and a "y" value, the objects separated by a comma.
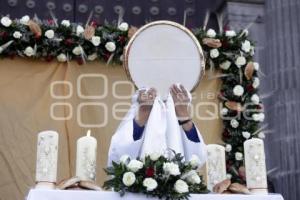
[
  {"x": 35, "y": 28},
  {"x": 232, "y": 105},
  {"x": 249, "y": 70},
  {"x": 213, "y": 43}
]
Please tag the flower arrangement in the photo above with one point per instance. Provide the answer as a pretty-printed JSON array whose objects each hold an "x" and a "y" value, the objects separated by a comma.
[{"x": 167, "y": 177}]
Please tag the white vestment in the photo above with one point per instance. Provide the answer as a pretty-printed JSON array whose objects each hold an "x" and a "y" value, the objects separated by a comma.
[{"x": 161, "y": 132}]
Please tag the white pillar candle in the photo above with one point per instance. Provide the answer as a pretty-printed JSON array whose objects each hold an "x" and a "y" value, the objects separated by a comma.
[
  {"x": 86, "y": 157},
  {"x": 215, "y": 165},
  {"x": 46, "y": 163},
  {"x": 255, "y": 165}
]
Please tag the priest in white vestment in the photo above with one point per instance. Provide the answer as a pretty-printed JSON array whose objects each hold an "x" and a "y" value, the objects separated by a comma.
[{"x": 154, "y": 126}]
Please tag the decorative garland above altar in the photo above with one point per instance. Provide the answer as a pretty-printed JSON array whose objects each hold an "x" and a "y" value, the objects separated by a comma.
[{"x": 230, "y": 52}]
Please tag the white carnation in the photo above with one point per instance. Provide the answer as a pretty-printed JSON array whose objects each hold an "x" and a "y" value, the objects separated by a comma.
[
  {"x": 256, "y": 82},
  {"x": 24, "y": 20},
  {"x": 124, "y": 159},
  {"x": 246, "y": 134},
  {"x": 241, "y": 60},
  {"x": 92, "y": 56},
  {"x": 62, "y": 57},
  {"x": 234, "y": 123},
  {"x": 238, "y": 90},
  {"x": 29, "y": 51},
  {"x": 49, "y": 34},
  {"x": 129, "y": 179},
  {"x": 228, "y": 147},
  {"x": 96, "y": 40},
  {"x": 214, "y": 53},
  {"x": 225, "y": 65},
  {"x": 246, "y": 46},
  {"x": 135, "y": 165},
  {"x": 5, "y": 21},
  {"x": 261, "y": 135},
  {"x": 256, "y": 66},
  {"x": 230, "y": 33},
  {"x": 255, "y": 99},
  {"x": 65, "y": 23},
  {"x": 154, "y": 156},
  {"x": 110, "y": 46},
  {"x": 238, "y": 156},
  {"x": 150, "y": 184},
  {"x": 194, "y": 178},
  {"x": 171, "y": 169},
  {"x": 211, "y": 33},
  {"x": 79, "y": 30},
  {"x": 17, "y": 34},
  {"x": 181, "y": 187},
  {"x": 194, "y": 161},
  {"x": 224, "y": 111},
  {"x": 123, "y": 26},
  {"x": 77, "y": 51}
]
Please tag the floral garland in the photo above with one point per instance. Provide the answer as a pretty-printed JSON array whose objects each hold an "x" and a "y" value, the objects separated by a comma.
[
  {"x": 230, "y": 51},
  {"x": 166, "y": 177}
]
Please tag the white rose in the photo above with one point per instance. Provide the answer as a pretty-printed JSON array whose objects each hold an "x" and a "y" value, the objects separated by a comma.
[
  {"x": 181, "y": 187},
  {"x": 62, "y": 57},
  {"x": 246, "y": 46},
  {"x": 194, "y": 161},
  {"x": 110, "y": 46},
  {"x": 230, "y": 33},
  {"x": 135, "y": 165},
  {"x": 225, "y": 65},
  {"x": 96, "y": 40},
  {"x": 194, "y": 178},
  {"x": 255, "y": 99},
  {"x": 259, "y": 117},
  {"x": 79, "y": 30},
  {"x": 154, "y": 156},
  {"x": 124, "y": 159},
  {"x": 261, "y": 135},
  {"x": 234, "y": 123},
  {"x": 17, "y": 34},
  {"x": 77, "y": 51},
  {"x": 29, "y": 51},
  {"x": 211, "y": 33},
  {"x": 65, "y": 23},
  {"x": 238, "y": 156},
  {"x": 256, "y": 82},
  {"x": 241, "y": 60},
  {"x": 92, "y": 56},
  {"x": 228, "y": 147},
  {"x": 128, "y": 179},
  {"x": 246, "y": 134},
  {"x": 171, "y": 168},
  {"x": 238, "y": 90},
  {"x": 256, "y": 66},
  {"x": 5, "y": 21},
  {"x": 24, "y": 20},
  {"x": 150, "y": 184},
  {"x": 49, "y": 34},
  {"x": 224, "y": 111},
  {"x": 214, "y": 53},
  {"x": 123, "y": 26}
]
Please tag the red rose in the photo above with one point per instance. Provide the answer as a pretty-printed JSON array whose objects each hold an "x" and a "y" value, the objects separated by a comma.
[
  {"x": 50, "y": 21},
  {"x": 94, "y": 24},
  {"x": 121, "y": 39},
  {"x": 49, "y": 58},
  {"x": 150, "y": 172},
  {"x": 79, "y": 61},
  {"x": 69, "y": 42},
  {"x": 249, "y": 88}
]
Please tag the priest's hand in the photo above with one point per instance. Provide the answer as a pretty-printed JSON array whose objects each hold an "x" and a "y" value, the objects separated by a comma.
[
  {"x": 146, "y": 99},
  {"x": 181, "y": 101}
]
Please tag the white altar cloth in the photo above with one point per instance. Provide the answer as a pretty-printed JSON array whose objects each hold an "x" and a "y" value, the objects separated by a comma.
[{"x": 39, "y": 194}]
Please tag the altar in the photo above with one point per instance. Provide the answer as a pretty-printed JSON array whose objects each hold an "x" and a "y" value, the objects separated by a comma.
[{"x": 93, "y": 195}]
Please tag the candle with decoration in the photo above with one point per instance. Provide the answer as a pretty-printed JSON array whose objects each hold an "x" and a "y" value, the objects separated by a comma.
[
  {"x": 46, "y": 164},
  {"x": 86, "y": 157},
  {"x": 215, "y": 165},
  {"x": 255, "y": 164}
]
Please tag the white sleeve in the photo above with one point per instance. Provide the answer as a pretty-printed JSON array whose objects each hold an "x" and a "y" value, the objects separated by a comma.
[
  {"x": 122, "y": 143},
  {"x": 194, "y": 148}
]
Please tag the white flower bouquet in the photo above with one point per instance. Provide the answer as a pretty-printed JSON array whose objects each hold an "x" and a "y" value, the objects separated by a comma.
[{"x": 156, "y": 176}]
